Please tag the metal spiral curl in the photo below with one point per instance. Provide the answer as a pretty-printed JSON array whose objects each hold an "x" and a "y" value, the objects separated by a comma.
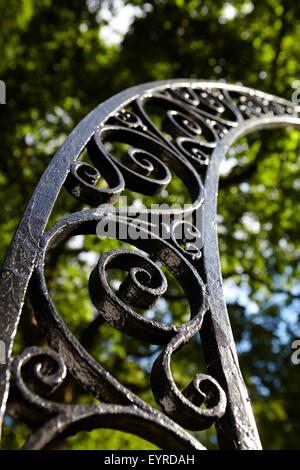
[
  {"x": 143, "y": 286},
  {"x": 187, "y": 238},
  {"x": 152, "y": 174},
  {"x": 82, "y": 178},
  {"x": 184, "y": 408},
  {"x": 37, "y": 373}
]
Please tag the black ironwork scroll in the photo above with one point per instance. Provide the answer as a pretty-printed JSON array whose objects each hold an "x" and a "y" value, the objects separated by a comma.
[{"x": 200, "y": 120}]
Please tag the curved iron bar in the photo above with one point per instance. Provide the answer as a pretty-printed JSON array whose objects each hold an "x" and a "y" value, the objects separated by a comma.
[{"x": 202, "y": 119}]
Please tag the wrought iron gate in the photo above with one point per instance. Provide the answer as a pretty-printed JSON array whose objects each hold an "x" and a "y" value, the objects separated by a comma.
[{"x": 203, "y": 119}]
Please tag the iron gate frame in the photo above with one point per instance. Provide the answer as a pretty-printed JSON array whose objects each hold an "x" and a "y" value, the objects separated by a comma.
[{"x": 189, "y": 105}]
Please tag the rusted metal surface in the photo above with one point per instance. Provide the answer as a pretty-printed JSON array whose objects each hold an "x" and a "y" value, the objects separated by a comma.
[{"x": 203, "y": 119}]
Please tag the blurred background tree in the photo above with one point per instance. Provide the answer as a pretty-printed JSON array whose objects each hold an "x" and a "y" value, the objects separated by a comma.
[{"x": 59, "y": 60}]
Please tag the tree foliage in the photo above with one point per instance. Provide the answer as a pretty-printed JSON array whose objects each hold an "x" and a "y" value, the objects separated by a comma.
[{"x": 57, "y": 68}]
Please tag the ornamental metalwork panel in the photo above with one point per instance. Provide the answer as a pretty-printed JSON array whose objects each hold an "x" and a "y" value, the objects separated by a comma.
[{"x": 200, "y": 120}]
